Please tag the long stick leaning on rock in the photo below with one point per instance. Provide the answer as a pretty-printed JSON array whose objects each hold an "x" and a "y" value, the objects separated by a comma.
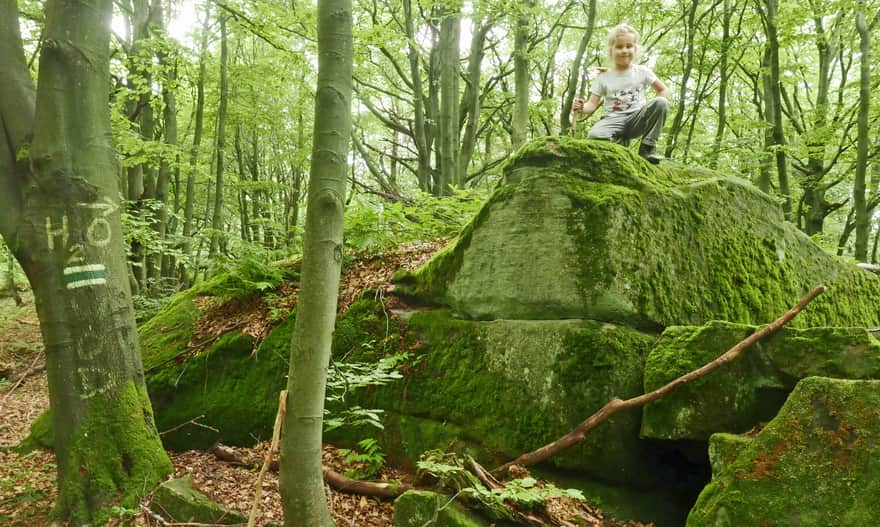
[{"x": 616, "y": 405}]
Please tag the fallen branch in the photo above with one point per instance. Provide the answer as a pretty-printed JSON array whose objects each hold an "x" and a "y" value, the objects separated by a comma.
[
  {"x": 334, "y": 479},
  {"x": 616, "y": 405},
  {"x": 363, "y": 488},
  {"x": 31, "y": 369}
]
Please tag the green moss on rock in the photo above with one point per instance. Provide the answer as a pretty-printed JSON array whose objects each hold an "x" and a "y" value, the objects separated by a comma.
[
  {"x": 814, "y": 465},
  {"x": 232, "y": 387},
  {"x": 42, "y": 434},
  {"x": 586, "y": 229},
  {"x": 512, "y": 386},
  {"x": 418, "y": 508},
  {"x": 177, "y": 501},
  {"x": 752, "y": 388}
]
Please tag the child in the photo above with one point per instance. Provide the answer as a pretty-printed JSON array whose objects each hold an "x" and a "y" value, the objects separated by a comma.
[{"x": 623, "y": 88}]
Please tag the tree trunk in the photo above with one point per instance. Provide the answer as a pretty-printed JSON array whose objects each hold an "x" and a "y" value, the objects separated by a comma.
[
  {"x": 420, "y": 129},
  {"x": 520, "y": 123},
  {"x": 242, "y": 193},
  {"x": 471, "y": 100},
  {"x": 163, "y": 182},
  {"x": 302, "y": 484},
  {"x": 687, "y": 68},
  {"x": 817, "y": 206},
  {"x": 65, "y": 229},
  {"x": 863, "y": 216},
  {"x": 765, "y": 174},
  {"x": 574, "y": 74},
  {"x": 776, "y": 95},
  {"x": 450, "y": 28},
  {"x": 724, "y": 77},
  {"x": 217, "y": 218},
  {"x": 189, "y": 207},
  {"x": 165, "y": 172}
]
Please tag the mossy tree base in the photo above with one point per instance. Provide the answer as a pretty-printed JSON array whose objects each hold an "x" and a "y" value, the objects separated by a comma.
[{"x": 112, "y": 458}]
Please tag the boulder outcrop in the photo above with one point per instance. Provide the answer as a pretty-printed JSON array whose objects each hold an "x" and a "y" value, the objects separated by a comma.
[
  {"x": 814, "y": 465},
  {"x": 586, "y": 229}
]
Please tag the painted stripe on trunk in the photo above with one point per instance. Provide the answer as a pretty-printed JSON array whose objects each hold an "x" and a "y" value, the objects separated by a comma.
[
  {"x": 85, "y": 275},
  {"x": 83, "y": 283},
  {"x": 84, "y": 268}
]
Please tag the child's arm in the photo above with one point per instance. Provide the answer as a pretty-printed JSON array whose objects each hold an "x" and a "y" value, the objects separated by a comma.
[
  {"x": 660, "y": 89},
  {"x": 579, "y": 106}
]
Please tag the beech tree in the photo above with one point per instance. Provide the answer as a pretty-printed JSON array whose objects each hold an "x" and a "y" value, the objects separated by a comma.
[
  {"x": 301, "y": 473},
  {"x": 60, "y": 199}
]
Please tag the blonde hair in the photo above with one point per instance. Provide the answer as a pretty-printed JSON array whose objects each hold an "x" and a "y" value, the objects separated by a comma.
[{"x": 622, "y": 29}]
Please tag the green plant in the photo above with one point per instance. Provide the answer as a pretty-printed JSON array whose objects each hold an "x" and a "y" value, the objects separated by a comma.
[
  {"x": 251, "y": 270},
  {"x": 502, "y": 503},
  {"x": 365, "y": 461},
  {"x": 122, "y": 515},
  {"x": 349, "y": 376}
]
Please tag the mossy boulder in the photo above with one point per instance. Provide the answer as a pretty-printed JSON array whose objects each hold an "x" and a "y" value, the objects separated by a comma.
[
  {"x": 177, "y": 501},
  {"x": 224, "y": 389},
  {"x": 418, "y": 508},
  {"x": 505, "y": 387},
  {"x": 814, "y": 465},
  {"x": 752, "y": 388},
  {"x": 230, "y": 386},
  {"x": 587, "y": 229}
]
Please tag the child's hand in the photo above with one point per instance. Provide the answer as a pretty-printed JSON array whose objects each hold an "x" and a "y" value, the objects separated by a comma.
[
  {"x": 601, "y": 69},
  {"x": 577, "y": 105}
]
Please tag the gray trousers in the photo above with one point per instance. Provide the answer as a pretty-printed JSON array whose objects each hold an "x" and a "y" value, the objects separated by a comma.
[{"x": 646, "y": 123}]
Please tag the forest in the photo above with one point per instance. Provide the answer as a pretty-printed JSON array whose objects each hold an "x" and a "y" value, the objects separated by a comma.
[{"x": 152, "y": 149}]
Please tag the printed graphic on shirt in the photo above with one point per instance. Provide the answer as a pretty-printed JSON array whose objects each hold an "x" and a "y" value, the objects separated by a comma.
[{"x": 625, "y": 99}]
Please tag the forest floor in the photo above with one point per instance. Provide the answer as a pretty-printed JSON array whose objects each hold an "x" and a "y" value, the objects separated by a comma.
[{"x": 27, "y": 481}]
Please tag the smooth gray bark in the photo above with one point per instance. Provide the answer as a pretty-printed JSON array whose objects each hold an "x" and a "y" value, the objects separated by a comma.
[
  {"x": 450, "y": 30},
  {"x": 302, "y": 483},
  {"x": 220, "y": 146},
  {"x": 862, "y": 212}
]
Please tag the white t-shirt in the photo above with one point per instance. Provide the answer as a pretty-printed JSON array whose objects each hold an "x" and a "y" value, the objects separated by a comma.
[{"x": 623, "y": 91}]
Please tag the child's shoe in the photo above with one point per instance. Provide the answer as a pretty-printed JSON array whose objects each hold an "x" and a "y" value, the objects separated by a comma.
[{"x": 648, "y": 152}]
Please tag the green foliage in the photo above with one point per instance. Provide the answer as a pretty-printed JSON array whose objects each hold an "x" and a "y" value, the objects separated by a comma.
[
  {"x": 146, "y": 307},
  {"x": 366, "y": 460},
  {"x": 523, "y": 493},
  {"x": 251, "y": 271},
  {"x": 374, "y": 225},
  {"x": 344, "y": 378}
]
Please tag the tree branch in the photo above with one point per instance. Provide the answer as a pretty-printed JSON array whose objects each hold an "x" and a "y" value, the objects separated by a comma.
[{"x": 616, "y": 405}]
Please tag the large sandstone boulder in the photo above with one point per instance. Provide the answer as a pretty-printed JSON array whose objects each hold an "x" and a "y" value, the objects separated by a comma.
[
  {"x": 510, "y": 386},
  {"x": 752, "y": 388},
  {"x": 814, "y": 465},
  {"x": 587, "y": 230}
]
